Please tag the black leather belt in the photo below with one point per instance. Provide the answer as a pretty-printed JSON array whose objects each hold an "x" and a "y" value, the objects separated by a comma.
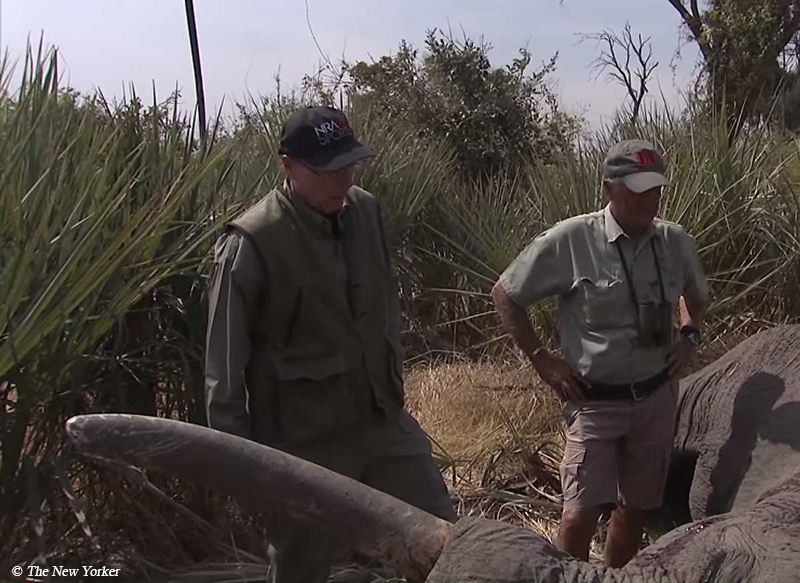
[{"x": 637, "y": 391}]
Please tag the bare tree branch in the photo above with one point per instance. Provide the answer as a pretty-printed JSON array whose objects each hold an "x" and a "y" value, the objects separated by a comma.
[
  {"x": 626, "y": 60},
  {"x": 337, "y": 74},
  {"x": 695, "y": 10},
  {"x": 695, "y": 24},
  {"x": 645, "y": 67}
]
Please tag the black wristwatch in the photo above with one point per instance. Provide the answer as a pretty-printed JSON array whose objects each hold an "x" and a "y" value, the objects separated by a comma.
[{"x": 692, "y": 334}]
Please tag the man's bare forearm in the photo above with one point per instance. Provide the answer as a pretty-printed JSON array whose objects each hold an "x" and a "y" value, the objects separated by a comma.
[
  {"x": 516, "y": 322},
  {"x": 554, "y": 371},
  {"x": 692, "y": 314}
]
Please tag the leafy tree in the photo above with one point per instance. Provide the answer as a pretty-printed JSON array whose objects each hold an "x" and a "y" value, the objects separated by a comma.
[
  {"x": 492, "y": 118},
  {"x": 748, "y": 46}
]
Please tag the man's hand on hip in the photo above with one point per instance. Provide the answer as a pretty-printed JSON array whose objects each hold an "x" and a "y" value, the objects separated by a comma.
[
  {"x": 567, "y": 384},
  {"x": 553, "y": 370}
]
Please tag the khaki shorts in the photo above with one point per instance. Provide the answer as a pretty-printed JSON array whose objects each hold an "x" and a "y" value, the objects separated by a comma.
[{"x": 618, "y": 452}]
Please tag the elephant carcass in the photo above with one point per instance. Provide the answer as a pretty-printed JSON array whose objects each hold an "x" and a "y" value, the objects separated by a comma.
[
  {"x": 738, "y": 425},
  {"x": 758, "y": 545},
  {"x": 757, "y": 541},
  {"x": 263, "y": 479}
]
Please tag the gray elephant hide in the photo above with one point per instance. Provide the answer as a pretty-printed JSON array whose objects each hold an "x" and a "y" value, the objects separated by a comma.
[{"x": 739, "y": 419}]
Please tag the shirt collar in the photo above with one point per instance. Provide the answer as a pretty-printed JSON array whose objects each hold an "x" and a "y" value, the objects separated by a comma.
[
  {"x": 614, "y": 231},
  {"x": 314, "y": 219}
]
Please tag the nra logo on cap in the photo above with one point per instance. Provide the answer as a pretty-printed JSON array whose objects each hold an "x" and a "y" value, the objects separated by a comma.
[{"x": 333, "y": 130}]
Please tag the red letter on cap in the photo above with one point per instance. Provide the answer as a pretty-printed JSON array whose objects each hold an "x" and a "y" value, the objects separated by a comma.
[{"x": 646, "y": 157}]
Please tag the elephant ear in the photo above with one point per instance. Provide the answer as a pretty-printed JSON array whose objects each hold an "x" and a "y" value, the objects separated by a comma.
[{"x": 263, "y": 479}]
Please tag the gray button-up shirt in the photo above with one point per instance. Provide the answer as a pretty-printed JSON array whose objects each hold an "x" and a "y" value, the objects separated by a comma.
[{"x": 578, "y": 261}]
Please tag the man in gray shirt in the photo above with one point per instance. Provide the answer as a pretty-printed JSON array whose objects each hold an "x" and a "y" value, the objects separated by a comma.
[
  {"x": 303, "y": 344},
  {"x": 620, "y": 275}
]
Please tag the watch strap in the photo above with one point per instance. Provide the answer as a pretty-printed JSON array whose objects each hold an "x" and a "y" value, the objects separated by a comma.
[{"x": 692, "y": 334}]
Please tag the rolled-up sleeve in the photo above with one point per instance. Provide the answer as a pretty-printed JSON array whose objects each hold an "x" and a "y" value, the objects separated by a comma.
[
  {"x": 695, "y": 288},
  {"x": 235, "y": 291},
  {"x": 538, "y": 272}
]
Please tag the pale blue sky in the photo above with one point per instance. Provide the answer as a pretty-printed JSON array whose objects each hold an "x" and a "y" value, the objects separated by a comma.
[{"x": 109, "y": 43}]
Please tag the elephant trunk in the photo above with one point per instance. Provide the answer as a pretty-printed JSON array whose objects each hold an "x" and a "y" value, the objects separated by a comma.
[{"x": 263, "y": 479}]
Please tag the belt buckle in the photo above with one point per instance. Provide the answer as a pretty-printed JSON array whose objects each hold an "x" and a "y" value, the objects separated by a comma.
[{"x": 636, "y": 396}]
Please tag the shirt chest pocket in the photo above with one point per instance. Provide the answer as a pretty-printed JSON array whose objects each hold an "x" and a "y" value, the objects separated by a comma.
[
  {"x": 605, "y": 303},
  {"x": 672, "y": 289}
]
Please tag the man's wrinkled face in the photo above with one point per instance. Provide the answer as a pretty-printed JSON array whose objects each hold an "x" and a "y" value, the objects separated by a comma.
[
  {"x": 634, "y": 211},
  {"x": 322, "y": 191}
]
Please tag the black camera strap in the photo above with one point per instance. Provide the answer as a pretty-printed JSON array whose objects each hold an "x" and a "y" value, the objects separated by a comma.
[
  {"x": 629, "y": 279},
  {"x": 658, "y": 270}
]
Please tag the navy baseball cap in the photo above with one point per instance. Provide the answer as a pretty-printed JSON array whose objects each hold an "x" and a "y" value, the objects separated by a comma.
[{"x": 321, "y": 138}]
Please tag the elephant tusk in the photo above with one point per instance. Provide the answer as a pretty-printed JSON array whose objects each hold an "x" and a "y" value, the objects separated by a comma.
[{"x": 263, "y": 479}]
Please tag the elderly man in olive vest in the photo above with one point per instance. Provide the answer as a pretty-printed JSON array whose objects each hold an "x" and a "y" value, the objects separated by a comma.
[{"x": 303, "y": 341}]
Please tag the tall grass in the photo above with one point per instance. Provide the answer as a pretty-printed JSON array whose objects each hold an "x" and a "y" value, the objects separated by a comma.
[
  {"x": 108, "y": 212},
  {"x": 99, "y": 207}
]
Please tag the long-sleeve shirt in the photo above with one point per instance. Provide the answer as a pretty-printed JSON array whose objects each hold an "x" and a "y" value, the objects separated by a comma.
[{"x": 235, "y": 290}]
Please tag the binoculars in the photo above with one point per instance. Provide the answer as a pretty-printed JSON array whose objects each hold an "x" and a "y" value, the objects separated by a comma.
[{"x": 655, "y": 324}]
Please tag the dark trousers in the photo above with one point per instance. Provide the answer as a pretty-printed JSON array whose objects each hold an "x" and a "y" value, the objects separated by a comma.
[{"x": 393, "y": 456}]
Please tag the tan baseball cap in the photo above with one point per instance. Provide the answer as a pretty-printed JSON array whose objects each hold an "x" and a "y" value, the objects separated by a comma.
[{"x": 637, "y": 164}]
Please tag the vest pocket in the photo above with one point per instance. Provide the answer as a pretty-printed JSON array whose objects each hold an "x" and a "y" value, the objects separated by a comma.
[
  {"x": 314, "y": 369},
  {"x": 313, "y": 398}
]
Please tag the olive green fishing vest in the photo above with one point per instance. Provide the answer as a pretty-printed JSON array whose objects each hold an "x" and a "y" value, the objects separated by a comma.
[{"x": 326, "y": 348}]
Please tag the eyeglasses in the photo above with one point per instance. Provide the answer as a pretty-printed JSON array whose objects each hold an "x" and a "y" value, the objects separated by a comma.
[{"x": 348, "y": 171}]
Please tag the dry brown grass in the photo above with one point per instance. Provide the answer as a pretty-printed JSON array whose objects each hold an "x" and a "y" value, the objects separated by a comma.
[
  {"x": 472, "y": 411},
  {"x": 499, "y": 433}
]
